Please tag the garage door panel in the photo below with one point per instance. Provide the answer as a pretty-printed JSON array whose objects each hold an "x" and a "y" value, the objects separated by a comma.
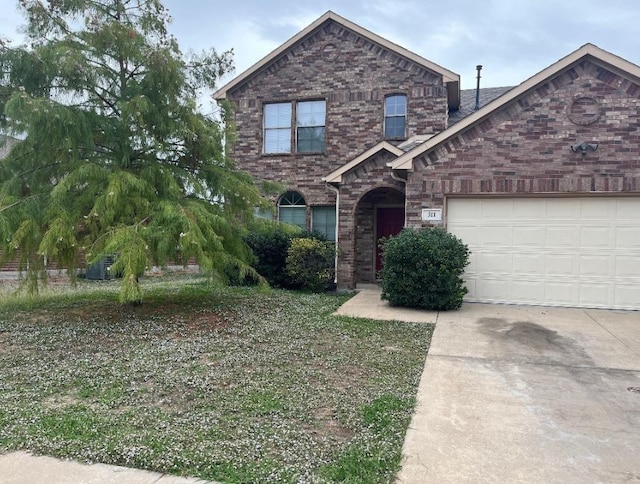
[
  {"x": 562, "y": 236},
  {"x": 595, "y": 210},
  {"x": 493, "y": 290},
  {"x": 627, "y": 266},
  {"x": 559, "y": 209},
  {"x": 524, "y": 290},
  {"x": 595, "y": 293},
  {"x": 496, "y": 210},
  {"x": 561, "y": 292},
  {"x": 596, "y": 237},
  {"x": 627, "y": 237},
  {"x": 469, "y": 234},
  {"x": 596, "y": 265},
  {"x": 528, "y": 236},
  {"x": 495, "y": 235},
  {"x": 627, "y": 296},
  {"x": 627, "y": 209},
  {"x": 527, "y": 264},
  {"x": 579, "y": 251},
  {"x": 560, "y": 264},
  {"x": 529, "y": 211},
  {"x": 492, "y": 263}
]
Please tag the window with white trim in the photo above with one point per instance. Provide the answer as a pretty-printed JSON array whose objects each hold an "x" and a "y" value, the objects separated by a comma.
[
  {"x": 292, "y": 209},
  {"x": 323, "y": 221},
  {"x": 277, "y": 128},
  {"x": 395, "y": 116},
  {"x": 310, "y": 117}
]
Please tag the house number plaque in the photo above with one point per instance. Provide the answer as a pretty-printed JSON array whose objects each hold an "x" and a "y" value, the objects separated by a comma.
[{"x": 431, "y": 214}]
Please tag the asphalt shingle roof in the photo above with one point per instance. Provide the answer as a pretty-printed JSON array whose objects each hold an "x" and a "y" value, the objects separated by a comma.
[{"x": 468, "y": 101}]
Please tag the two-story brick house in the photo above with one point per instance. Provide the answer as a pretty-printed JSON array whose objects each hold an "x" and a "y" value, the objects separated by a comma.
[{"x": 541, "y": 182}]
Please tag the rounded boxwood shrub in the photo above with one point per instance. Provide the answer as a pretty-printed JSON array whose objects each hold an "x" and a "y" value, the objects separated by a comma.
[
  {"x": 311, "y": 263},
  {"x": 423, "y": 269}
]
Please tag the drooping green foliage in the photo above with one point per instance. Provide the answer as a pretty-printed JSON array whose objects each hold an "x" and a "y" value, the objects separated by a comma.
[
  {"x": 116, "y": 158},
  {"x": 423, "y": 269}
]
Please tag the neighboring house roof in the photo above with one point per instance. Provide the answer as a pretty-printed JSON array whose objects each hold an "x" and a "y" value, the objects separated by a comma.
[
  {"x": 336, "y": 176},
  {"x": 618, "y": 64},
  {"x": 468, "y": 101},
  {"x": 450, "y": 78}
]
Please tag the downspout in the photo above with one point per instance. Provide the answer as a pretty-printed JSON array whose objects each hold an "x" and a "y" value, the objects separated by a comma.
[
  {"x": 403, "y": 180},
  {"x": 335, "y": 268}
]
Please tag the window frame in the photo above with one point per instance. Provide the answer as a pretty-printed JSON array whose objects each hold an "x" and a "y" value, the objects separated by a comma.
[
  {"x": 294, "y": 200},
  {"x": 278, "y": 128},
  {"x": 394, "y": 116},
  {"x": 294, "y": 128},
  {"x": 331, "y": 236},
  {"x": 321, "y": 126}
]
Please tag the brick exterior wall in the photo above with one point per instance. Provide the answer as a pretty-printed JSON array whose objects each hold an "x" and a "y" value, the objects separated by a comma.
[
  {"x": 353, "y": 75},
  {"x": 362, "y": 189},
  {"x": 524, "y": 148}
]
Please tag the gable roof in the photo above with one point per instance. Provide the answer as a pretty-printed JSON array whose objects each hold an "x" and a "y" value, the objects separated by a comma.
[
  {"x": 450, "y": 78},
  {"x": 468, "y": 101},
  {"x": 618, "y": 64},
  {"x": 336, "y": 176}
]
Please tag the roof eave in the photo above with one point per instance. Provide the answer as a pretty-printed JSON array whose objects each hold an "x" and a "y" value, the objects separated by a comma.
[
  {"x": 336, "y": 175},
  {"x": 405, "y": 162},
  {"x": 449, "y": 77}
]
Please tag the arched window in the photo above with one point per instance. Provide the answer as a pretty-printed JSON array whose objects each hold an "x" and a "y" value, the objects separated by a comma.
[{"x": 292, "y": 209}]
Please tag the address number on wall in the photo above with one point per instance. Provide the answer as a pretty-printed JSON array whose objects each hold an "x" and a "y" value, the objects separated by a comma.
[{"x": 431, "y": 214}]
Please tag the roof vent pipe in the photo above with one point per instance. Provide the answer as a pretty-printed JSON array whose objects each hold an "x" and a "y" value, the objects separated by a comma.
[{"x": 478, "y": 68}]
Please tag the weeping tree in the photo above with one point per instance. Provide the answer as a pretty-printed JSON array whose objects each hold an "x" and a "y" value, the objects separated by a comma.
[{"x": 115, "y": 158}]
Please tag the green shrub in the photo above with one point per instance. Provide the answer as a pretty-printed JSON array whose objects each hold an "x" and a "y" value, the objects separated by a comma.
[
  {"x": 423, "y": 269},
  {"x": 310, "y": 263},
  {"x": 270, "y": 241}
]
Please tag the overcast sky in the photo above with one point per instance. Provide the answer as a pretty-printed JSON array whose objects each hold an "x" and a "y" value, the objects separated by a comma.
[{"x": 512, "y": 39}]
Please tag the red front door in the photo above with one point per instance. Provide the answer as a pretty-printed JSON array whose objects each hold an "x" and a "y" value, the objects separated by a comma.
[{"x": 389, "y": 221}]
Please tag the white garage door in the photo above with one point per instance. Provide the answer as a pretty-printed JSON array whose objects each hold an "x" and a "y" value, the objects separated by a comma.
[{"x": 579, "y": 252}]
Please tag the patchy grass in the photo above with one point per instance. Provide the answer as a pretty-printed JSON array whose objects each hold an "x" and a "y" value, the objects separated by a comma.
[{"x": 226, "y": 384}]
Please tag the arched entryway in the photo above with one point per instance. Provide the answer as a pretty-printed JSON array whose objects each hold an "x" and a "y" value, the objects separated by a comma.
[{"x": 379, "y": 213}]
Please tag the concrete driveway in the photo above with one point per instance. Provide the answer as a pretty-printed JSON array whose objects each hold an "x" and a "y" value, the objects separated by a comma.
[
  {"x": 522, "y": 394},
  {"x": 528, "y": 394}
]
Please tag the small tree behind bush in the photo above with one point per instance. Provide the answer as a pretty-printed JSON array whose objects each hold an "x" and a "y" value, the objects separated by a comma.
[
  {"x": 310, "y": 263},
  {"x": 423, "y": 269}
]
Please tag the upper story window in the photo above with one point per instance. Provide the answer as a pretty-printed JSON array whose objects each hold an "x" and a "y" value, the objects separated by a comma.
[
  {"x": 277, "y": 128},
  {"x": 309, "y": 127},
  {"x": 310, "y": 123},
  {"x": 395, "y": 116}
]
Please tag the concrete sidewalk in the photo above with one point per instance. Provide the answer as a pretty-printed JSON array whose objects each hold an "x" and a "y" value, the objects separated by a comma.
[
  {"x": 24, "y": 468},
  {"x": 367, "y": 304}
]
